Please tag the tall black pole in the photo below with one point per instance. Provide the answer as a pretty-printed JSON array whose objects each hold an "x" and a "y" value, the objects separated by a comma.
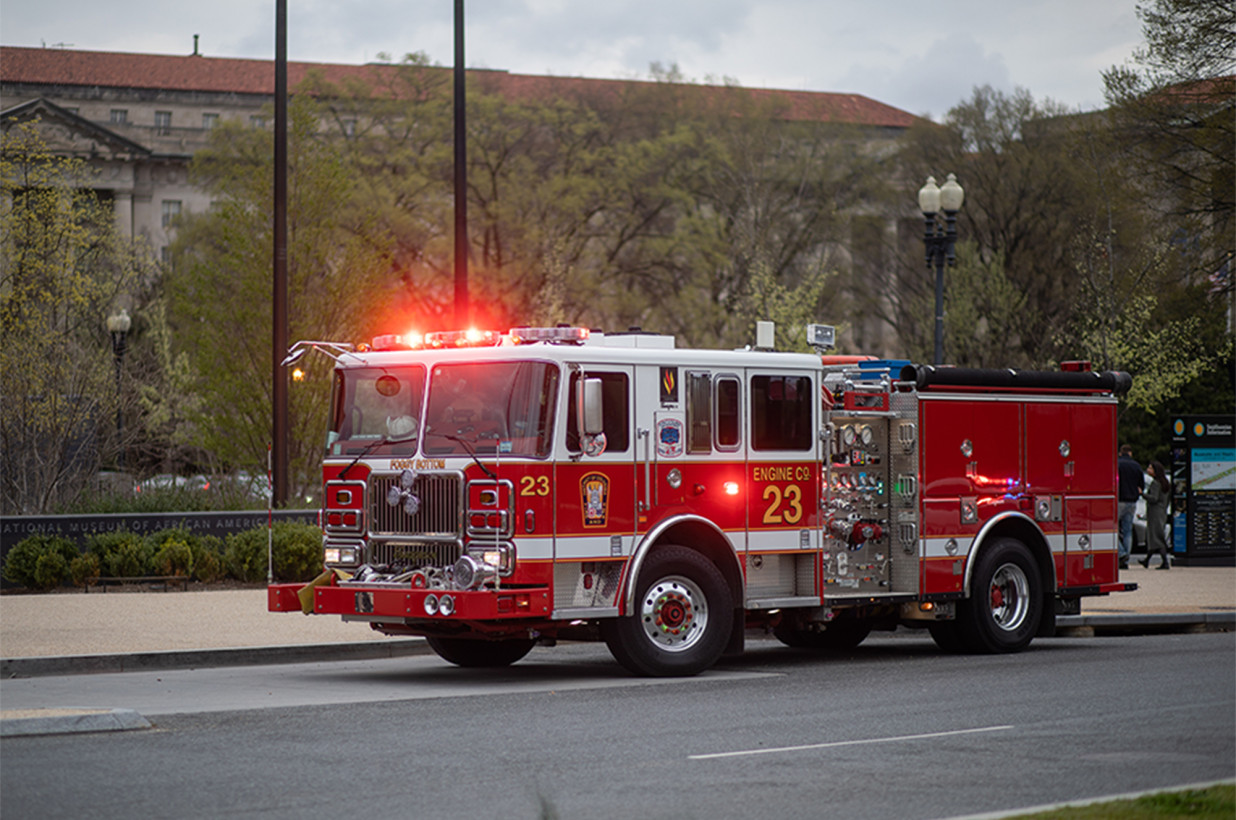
[
  {"x": 462, "y": 310},
  {"x": 280, "y": 297}
]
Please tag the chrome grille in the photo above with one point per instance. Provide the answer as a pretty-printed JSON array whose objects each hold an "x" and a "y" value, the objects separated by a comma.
[
  {"x": 414, "y": 555},
  {"x": 440, "y": 515}
]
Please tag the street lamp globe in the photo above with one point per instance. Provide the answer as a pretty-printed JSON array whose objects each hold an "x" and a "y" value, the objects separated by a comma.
[
  {"x": 951, "y": 195},
  {"x": 119, "y": 322},
  {"x": 929, "y": 197}
]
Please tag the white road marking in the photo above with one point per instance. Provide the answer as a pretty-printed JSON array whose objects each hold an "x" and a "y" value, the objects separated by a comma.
[{"x": 838, "y": 743}]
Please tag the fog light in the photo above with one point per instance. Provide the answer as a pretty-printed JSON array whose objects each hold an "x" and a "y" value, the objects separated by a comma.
[
  {"x": 446, "y": 606},
  {"x": 431, "y": 604},
  {"x": 331, "y": 555}
]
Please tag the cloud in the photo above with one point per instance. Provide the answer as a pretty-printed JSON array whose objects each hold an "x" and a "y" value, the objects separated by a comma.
[{"x": 935, "y": 81}]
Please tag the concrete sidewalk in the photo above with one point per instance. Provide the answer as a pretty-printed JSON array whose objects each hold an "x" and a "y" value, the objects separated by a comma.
[{"x": 67, "y": 633}]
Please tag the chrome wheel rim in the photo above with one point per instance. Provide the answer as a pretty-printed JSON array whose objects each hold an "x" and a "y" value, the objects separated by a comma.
[
  {"x": 674, "y": 613},
  {"x": 1009, "y": 597}
]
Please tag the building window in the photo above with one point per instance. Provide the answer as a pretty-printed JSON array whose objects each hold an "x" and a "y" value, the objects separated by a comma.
[
  {"x": 165, "y": 256},
  {"x": 119, "y": 116},
  {"x": 171, "y": 210},
  {"x": 209, "y": 121},
  {"x": 349, "y": 128},
  {"x": 257, "y": 121},
  {"x": 163, "y": 122}
]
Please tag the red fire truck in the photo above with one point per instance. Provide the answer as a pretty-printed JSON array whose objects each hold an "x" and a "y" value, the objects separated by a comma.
[{"x": 490, "y": 491}]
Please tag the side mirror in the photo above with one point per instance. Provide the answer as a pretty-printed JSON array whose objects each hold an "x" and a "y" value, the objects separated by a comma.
[
  {"x": 593, "y": 415},
  {"x": 588, "y": 404}
]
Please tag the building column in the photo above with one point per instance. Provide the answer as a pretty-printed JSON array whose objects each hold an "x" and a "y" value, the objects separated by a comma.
[{"x": 124, "y": 213}]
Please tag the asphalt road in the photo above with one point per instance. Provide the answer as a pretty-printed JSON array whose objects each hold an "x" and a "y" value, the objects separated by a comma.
[{"x": 894, "y": 729}]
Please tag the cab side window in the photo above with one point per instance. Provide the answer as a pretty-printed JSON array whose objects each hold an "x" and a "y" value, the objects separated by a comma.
[
  {"x": 781, "y": 412},
  {"x": 728, "y": 410},
  {"x": 699, "y": 412},
  {"x": 615, "y": 401}
]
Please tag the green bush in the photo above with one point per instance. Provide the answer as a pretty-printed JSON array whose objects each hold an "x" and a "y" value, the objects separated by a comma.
[
  {"x": 208, "y": 566},
  {"x": 174, "y": 557},
  {"x": 119, "y": 552},
  {"x": 21, "y": 566},
  {"x": 50, "y": 571},
  {"x": 84, "y": 570},
  {"x": 296, "y": 552}
]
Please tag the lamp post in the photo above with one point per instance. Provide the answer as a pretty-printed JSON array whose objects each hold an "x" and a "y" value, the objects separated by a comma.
[
  {"x": 940, "y": 240},
  {"x": 118, "y": 325}
]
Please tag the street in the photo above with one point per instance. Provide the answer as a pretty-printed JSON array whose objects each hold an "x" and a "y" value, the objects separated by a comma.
[{"x": 893, "y": 729}]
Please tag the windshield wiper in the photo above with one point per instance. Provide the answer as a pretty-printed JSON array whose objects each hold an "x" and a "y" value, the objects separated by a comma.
[
  {"x": 369, "y": 448},
  {"x": 467, "y": 445}
]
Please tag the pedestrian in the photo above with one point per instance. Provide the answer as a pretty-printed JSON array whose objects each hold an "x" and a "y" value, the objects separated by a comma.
[
  {"x": 1130, "y": 475},
  {"x": 1157, "y": 496}
]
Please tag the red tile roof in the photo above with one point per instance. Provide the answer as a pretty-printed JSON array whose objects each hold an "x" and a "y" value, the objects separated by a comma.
[{"x": 232, "y": 75}]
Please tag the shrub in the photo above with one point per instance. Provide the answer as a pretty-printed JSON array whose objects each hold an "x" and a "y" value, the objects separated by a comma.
[
  {"x": 84, "y": 570},
  {"x": 296, "y": 548},
  {"x": 208, "y": 566},
  {"x": 50, "y": 570},
  {"x": 119, "y": 552},
  {"x": 298, "y": 551},
  {"x": 169, "y": 552},
  {"x": 21, "y": 564},
  {"x": 174, "y": 557},
  {"x": 126, "y": 559}
]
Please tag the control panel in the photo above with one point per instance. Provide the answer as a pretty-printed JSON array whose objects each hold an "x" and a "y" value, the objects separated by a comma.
[{"x": 855, "y": 502}]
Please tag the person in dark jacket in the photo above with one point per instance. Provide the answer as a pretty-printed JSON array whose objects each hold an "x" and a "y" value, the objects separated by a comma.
[
  {"x": 1129, "y": 473},
  {"x": 1158, "y": 493}
]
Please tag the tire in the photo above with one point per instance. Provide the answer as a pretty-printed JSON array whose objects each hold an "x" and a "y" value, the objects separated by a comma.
[
  {"x": 947, "y": 636},
  {"x": 841, "y": 635},
  {"x": 480, "y": 653},
  {"x": 682, "y": 617},
  {"x": 1005, "y": 605}
]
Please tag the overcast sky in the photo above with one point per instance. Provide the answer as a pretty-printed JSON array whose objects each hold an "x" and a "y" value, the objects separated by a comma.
[{"x": 923, "y": 57}]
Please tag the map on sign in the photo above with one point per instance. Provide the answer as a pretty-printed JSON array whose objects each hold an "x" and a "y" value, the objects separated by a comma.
[{"x": 1214, "y": 469}]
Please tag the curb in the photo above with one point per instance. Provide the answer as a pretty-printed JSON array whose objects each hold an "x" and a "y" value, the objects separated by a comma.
[
  {"x": 72, "y": 720},
  {"x": 1080, "y": 626},
  {"x": 54, "y": 665}
]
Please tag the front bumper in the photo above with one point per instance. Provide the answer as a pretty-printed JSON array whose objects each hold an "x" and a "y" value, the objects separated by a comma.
[{"x": 402, "y": 603}]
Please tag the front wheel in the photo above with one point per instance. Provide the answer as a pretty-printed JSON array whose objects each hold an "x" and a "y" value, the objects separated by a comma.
[
  {"x": 480, "y": 654},
  {"x": 1006, "y": 600},
  {"x": 682, "y": 618}
]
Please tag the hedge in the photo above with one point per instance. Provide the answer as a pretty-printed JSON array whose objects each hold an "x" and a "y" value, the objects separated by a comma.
[{"x": 43, "y": 562}]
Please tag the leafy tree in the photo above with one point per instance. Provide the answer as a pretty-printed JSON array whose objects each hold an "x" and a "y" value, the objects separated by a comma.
[
  {"x": 1022, "y": 190},
  {"x": 1173, "y": 107},
  {"x": 62, "y": 269},
  {"x": 220, "y": 293}
]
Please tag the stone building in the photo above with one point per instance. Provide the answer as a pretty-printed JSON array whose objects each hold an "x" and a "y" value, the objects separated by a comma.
[{"x": 138, "y": 119}]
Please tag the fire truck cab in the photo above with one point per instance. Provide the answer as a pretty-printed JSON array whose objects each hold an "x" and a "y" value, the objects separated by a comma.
[{"x": 491, "y": 491}]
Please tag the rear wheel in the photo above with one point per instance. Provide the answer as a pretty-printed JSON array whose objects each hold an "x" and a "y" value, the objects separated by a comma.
[
  {"x": 1006, "y": 600},
  {"x": 682, "y": 618},
  {"x": 480, "y": 653}
]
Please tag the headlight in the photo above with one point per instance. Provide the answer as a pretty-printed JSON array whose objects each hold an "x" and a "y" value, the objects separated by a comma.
[{"x": 340, "y": 555}]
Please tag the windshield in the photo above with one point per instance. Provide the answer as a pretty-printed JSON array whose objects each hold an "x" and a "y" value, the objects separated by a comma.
[
  {"x": 491, "y": 407},
  {"x": 371, "y": 406}
]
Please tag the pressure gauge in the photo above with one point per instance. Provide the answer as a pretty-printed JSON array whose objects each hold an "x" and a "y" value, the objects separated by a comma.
[
  {"x": 868, "y": 435},
  {"x": 848, "y": 436}
]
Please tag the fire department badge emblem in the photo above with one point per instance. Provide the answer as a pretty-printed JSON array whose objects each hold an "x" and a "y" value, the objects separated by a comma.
[{"x": 594, "y": 499}]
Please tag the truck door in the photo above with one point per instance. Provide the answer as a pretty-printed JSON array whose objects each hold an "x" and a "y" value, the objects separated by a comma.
[{"x": 595, "y": 494}]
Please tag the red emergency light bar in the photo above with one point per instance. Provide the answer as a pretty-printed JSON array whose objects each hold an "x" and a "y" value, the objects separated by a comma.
[{"x": 450, "y": 339}]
